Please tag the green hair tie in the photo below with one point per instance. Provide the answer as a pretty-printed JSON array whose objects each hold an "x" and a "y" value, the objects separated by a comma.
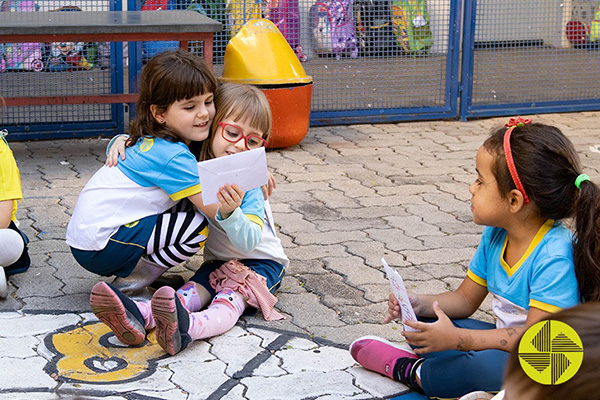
[{"x": 580, "y": 179}]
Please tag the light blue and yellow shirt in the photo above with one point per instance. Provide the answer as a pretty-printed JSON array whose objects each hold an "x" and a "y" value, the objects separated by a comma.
[
  {"x": 543, "y": 278},
  {"x": 155, "y": 174}
]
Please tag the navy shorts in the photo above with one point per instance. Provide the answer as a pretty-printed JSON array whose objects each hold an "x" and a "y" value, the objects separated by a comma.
[
  {"x": 123, "y": 251},
  {"x": 23, "y": 263}
]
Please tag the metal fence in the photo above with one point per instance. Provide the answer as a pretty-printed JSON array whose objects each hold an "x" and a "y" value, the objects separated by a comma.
[
  {"x": 371, "y": 60},
  {"x": 530, "y": 56},
  {"x": 54, "y": 69}
]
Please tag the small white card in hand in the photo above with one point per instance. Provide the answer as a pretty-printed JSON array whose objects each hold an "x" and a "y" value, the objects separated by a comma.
[
  {"x": 247, "y": 169},
  {"x": 399, "y": 291}
]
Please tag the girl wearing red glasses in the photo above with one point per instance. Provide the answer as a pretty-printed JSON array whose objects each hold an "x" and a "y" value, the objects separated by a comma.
[{"x": 244, "y": 260}]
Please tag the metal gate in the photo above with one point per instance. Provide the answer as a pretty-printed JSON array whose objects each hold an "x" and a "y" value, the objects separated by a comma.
[
  {"x": 371, "y": 60},
  {"x": 526, "y": 57},
  {"x": 384, "y": 71},
  {"x": 52, "y": 69}
]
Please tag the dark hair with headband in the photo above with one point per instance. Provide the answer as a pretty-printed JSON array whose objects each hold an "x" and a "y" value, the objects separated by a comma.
[{"x": 547, "y": 171}]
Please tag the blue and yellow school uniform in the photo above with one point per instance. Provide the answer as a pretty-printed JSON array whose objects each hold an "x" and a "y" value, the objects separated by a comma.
[
  {"x": 265, "y": 256},
  {"x": 117, "y": 209},
  {"x": 10, "y": 189},
  {"x": 543, "y": 278},
  {"x": 10, "y": 180}
]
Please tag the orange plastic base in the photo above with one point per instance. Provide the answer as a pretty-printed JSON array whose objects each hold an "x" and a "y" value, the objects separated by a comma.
[{"x": 291, "y": 113}]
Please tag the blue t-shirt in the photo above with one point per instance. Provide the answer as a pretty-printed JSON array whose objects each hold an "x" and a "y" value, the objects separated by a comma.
[
  {"x": 164, "y": 164},
  {"x": 155, "y": 175},
  {"x": 543, "y": 278}
]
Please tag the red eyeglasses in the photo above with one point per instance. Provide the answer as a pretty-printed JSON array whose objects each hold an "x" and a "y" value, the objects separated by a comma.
[{"x": 234, "y": 134}]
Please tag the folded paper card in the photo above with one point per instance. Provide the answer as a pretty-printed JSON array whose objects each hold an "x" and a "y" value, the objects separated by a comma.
[
  {"x": 247, "y": 169},
  {"x": 408, "y": 314}
]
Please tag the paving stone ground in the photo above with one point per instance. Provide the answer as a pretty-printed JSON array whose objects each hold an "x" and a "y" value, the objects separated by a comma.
[{"x": 346, "y": 196}]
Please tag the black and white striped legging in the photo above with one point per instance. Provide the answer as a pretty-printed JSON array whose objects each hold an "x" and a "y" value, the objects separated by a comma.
[{"x": 179, "y": 234}]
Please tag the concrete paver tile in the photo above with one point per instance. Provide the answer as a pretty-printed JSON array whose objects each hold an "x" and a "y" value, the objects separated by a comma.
[
  {"x": 346, "y": 196},
  {"x": 294, "y": 386}
]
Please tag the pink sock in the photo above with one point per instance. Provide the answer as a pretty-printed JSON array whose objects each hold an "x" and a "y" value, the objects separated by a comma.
[
  {"x": 189, "y": 297},
  {"x": 146, "y": 311},
  {"x": 222, "y": 314}
]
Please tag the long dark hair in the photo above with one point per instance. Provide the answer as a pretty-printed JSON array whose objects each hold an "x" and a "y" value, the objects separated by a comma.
[
  {"x": 168, "y": 77},
  {"x": 548, "y": 165}
]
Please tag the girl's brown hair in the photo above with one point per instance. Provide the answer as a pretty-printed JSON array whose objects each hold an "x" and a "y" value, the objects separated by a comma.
[
  {"x": 247, "y": 103},
  {"x": 548, "y": 165},
  {"x": 168, "y": 77}
]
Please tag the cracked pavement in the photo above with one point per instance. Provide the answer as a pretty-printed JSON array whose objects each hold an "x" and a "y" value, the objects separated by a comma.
[{"x": 346, "y": 196}]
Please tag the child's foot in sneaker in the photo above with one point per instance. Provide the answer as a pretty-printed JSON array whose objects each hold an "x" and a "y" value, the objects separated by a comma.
[
  {"x": 378, "y": 355},
  {"x": 118, "y": 312},
  {"x": 172, "y": 320},
  {"x": 479, "y": 395}
]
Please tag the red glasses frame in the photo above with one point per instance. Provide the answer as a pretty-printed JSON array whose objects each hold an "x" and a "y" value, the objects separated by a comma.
[{"x": 223, "y": 125}]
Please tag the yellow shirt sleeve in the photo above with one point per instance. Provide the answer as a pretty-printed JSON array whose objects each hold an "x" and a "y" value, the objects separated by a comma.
[{"x": 10, "y": 181}]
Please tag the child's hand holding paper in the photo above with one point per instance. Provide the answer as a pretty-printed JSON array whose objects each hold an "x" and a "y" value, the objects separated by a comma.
[
  {"x": 399, "y": 290},
  {"x": 247, "y": 169}
]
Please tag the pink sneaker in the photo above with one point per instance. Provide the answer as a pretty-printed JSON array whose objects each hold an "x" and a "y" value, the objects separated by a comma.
[
  {"x": 479, "y": 395},
  {"x": 119, "y": 312},
  {"x": 172, "y": 320},
  {"x": 378, "y": 355}
]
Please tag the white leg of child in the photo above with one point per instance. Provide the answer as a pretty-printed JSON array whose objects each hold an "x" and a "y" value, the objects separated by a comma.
[
  {"x": 220, "y": 316},
  {"x": 176, "y": 328},
  {"x": 11, "y": 248}
]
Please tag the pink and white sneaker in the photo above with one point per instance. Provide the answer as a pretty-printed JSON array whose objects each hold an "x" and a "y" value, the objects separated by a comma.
[
  {"x": 119, "y": 312},
  {"x": 378, "y": 355},
  {"x": 172, "y": 320}
]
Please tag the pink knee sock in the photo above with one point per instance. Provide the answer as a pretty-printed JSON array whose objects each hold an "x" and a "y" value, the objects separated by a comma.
[
  {"x": 222, "y": 314},
  {"x": 189, "y": 297},
  {"x": 146, "y": 311}
]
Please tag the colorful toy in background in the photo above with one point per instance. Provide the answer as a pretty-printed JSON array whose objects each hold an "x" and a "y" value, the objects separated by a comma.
[
  {"x": 333, "y": 28},
  {"x": 410, "y": 22},
  {"x": 374, "y": 28},
  {"x": 583, "y": 30},
  {"x": 23, "y": 56},
  {"x": 595, "y": 28},
  {"x": 284, "y": 14},
  {"x": 66, "y": 56}
]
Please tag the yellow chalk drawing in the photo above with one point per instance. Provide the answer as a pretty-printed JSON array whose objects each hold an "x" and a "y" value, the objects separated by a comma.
[{"x": 90, "y": 353}]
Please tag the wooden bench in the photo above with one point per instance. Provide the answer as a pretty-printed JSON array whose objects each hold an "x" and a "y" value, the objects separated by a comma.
[{"x": 104, "y": 26}]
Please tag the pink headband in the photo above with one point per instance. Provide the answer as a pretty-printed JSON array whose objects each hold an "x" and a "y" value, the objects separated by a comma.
[{"x": 510, "y": 162}]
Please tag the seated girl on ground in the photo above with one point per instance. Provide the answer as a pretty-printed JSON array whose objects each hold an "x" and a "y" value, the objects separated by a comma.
[
  {"x": 14, "y": 256},
  {"x": 528, "y": 179},
  {"x": 138, "y": 220}
]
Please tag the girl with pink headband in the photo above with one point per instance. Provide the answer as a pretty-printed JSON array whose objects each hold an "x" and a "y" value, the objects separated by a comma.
[{"x": 529, "y": 178}]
